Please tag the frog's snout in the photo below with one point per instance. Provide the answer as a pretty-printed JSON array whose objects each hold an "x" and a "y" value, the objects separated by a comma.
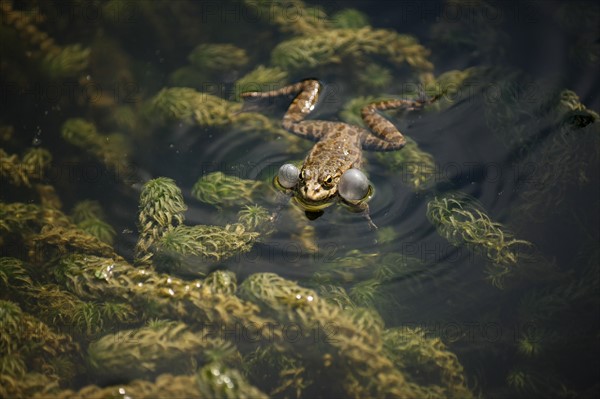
[{"x": 314, "y": 192}]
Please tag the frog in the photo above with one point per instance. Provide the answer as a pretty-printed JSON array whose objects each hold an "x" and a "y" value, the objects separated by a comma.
[{"x": 331, "y": 172}]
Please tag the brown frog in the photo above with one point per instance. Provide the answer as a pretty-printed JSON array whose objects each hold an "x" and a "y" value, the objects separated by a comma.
[{"x": 331, "y": 170}]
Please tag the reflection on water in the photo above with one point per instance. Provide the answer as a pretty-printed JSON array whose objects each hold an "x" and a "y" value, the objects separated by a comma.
[{"x": 138, "y": 252}]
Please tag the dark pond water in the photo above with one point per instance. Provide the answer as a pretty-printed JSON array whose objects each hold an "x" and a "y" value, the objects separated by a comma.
[{"x": 481, "y": 279}]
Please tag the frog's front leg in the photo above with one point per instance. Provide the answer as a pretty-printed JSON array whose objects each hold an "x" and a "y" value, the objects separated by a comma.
[
  {"x": 385, "y": 135},
  {"x": 307, "y": 95},
  {"x": 363, "y": 208}
]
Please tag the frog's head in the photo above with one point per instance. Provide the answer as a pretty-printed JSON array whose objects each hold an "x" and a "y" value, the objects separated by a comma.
[
  {"x": 315, "y": 189},
  {"x": 317, "y": 186}
]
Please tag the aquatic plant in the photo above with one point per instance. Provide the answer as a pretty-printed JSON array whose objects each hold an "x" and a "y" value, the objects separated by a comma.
[
  {"x": 336, "y": 295},
  {"x": 218, "y": 57},
  {"x": 88, "y": 216},
  {"x": 182, "y": 104},
  {"x": 453, "y": 86},
  {"x": 417, "y": 168},
  {"x": 566, "y": 157},
  {"x": 221, "y": 282},
  {"x": 224, "y": 190},
  {"x": 161, "y": 209},
  {"x": 349, "y": 18},
  {"x": 69, "y": 61},
  {"x": 177, "y": 247},
  {"x": 266, "y": 364},
  {"x": 165, "y": 386},
  {"x": 153, "y": 294},
  {"x": 49, "y": 199},
  {"x": 216, "y": 380},
  {"x": 370, "y": 272},
  {"x": 291, "y": 16},
  {"x": 186, "y": 249},
  {"x": 427, "y": 361},
  {"x": 55, "y": 61},
  {"x": 364, "y": 292},
  {"x": 461, "y": 221},
  {"x": 525, "y": 381},
  {"x": 111, "y": 150},
  {"x": 26, "y": 346},
  {"x": 81, "y": 133},
  {"x": 373, "y": 281},
  {"x": 256, "y": 218},
  {"x": 67, "y": 312},
  {"x": 386, "y": 235},
  {"x": 531, "y": 342},
  {"x": 13, "y": 274},
  {"x": 87, "y": 209},
  {"x": 374, "y": 76},
  {"x": 393, "y": 267},
  {"x": 151, "y": 350},
  {"x": 351, "y": 267},
  {"x": 333, "y": 46},
  {"x": 188, "y": 76},
  {"x": 320, "y": 42},
  {"x": 32, "y": 166},
  {"x": 17, "y": 217},
  {"x": 66, "y": 272},
  {"x": 41, "y": 228},
  {"x": 25, "y": 25},
  {"x": 354, "y": 352},
  {"x": 66, "y": 239},
  {"x": 572, "y": 114},
  {"x": 192, "y": 107},
  {"x": 261, "y": 78}
]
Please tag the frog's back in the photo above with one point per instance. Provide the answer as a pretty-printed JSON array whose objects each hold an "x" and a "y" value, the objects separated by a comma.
[{"x": 338, "y": 149}]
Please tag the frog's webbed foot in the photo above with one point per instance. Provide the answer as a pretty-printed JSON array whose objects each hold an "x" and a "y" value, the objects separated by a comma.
[
  {"x": 424, "y": 99},
  {"x": 363, "y": 209},
  {"x": 385, "y": 135},
  {"x": 365, "y": 214}
]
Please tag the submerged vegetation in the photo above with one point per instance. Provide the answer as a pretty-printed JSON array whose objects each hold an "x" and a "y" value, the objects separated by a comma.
[{"x": 122, "y": 278}]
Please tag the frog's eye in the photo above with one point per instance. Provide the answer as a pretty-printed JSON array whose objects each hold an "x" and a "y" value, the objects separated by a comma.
[
  {"x": 288, "y": 175},
  {"x": 328, "y": 180},
  {"x": 354, "y": 185}
]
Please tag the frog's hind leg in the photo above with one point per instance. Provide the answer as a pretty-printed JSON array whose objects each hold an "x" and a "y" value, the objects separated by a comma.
[
  {"x": 385, "y": 135},
  {"x": 307, "y": 95}
]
